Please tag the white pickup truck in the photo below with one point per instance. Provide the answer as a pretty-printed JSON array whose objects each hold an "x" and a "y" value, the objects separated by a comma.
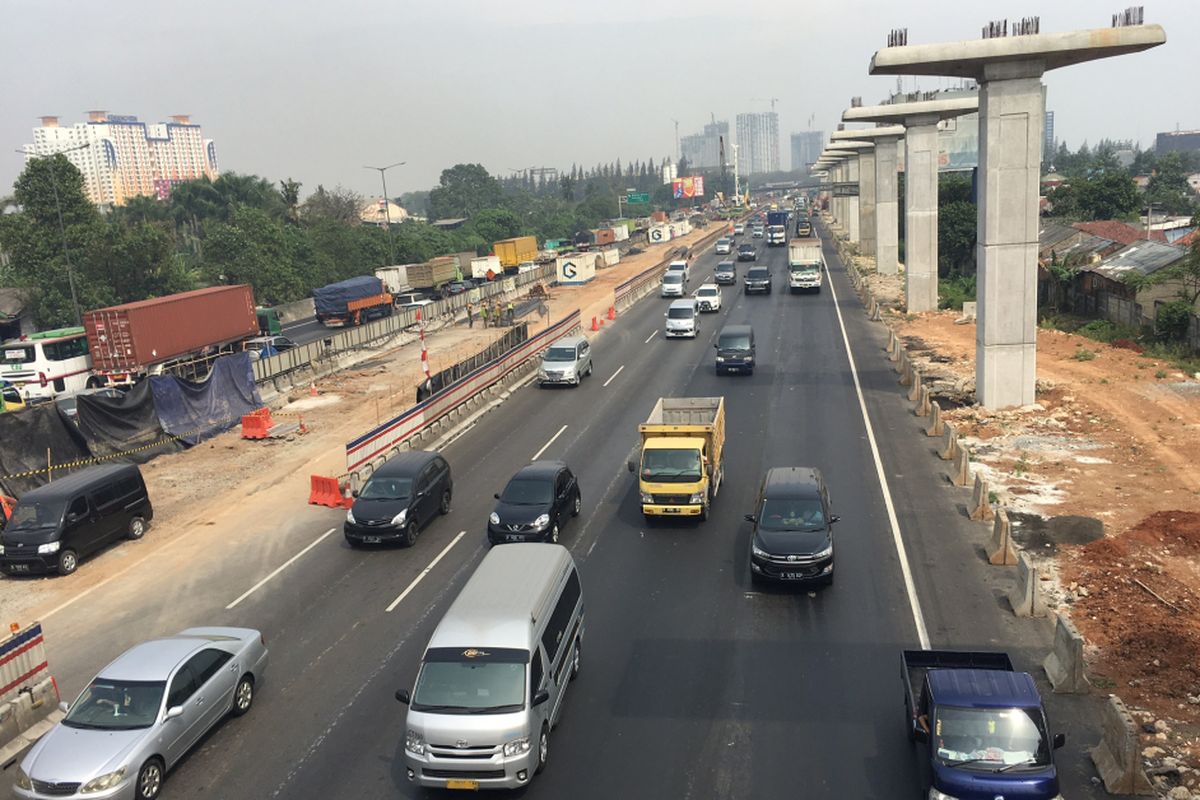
[{"x": 806, "y": 265}]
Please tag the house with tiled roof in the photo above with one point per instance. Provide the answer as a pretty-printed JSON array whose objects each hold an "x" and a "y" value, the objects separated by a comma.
[{"x": 1117, "y": 231}]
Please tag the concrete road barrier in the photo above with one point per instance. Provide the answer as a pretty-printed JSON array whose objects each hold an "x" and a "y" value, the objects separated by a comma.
[
  {"x": 894, "y": 348},
  {"x": 1117, "y": 757},
  {"x": 950, "y": 446},
  {"x": 922, "y": 403},
  {"x": 906, "y": 371},
  {"x": 936, "y": 426},
  {"x": 1027, "y": 599},
  {"x": 1000, "y": 550},
  {"x": 962, "y": 467},
  {"x": 914, "y": 393},
  {"x": 981, "y": 506},
  {"x": 891, "y": 344},
  {"x": 1064, "y": 665}
]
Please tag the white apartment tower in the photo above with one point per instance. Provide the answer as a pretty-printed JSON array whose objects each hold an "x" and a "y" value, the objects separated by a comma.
[
  {"x": 126, "y": 158},
  {"x": 758, "y": 142}
]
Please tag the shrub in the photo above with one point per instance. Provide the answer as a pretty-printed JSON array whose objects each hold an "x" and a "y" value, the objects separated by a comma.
[{"x": 1083, "y": 354}]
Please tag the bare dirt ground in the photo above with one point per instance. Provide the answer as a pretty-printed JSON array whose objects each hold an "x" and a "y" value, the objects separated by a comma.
[{"x": 197, "y": 488}]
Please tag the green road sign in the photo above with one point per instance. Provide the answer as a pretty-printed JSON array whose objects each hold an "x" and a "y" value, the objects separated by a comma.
[{"x": 635, "y": 198}]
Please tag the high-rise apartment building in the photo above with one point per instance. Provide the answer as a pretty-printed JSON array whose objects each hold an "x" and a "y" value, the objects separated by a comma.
[
  {"x": 758, "y": 142},
  {"x": 1049, "y": 143},
  {"x": 704, "y": 149},
  {"x": 806, "y": 148},
  {"x": 121, "y": 157}
]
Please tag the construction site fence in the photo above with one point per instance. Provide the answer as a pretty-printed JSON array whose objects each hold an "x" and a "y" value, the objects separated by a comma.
[{"x": 441, "y": 380}]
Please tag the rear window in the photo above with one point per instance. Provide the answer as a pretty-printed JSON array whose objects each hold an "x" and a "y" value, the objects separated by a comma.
[{"x": 17, "y": 354}]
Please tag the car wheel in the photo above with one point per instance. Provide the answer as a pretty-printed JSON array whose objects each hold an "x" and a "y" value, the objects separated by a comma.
[
  {"x": 703, "y": 513},
  {"x": 68, "y": 562},
  {"x": 243, "y": 695},
  {"x": 444, "y": 507},
  {"x": 149, "y": 780},
  {"x": 575, "y": 659},
  {"x": 578, "y": 505},
  {"x": 137, "y": 528},
  {"x": 410, "y": 534},
  {"x": 553, "y": 538},
  {"x": 543, "y": 754}
]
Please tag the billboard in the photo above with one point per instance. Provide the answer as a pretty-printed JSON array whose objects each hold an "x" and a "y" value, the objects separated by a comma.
[{"x": 686, "y": 188}]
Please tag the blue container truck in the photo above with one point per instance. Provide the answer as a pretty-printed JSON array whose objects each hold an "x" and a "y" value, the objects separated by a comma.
[
  {"x": 352, "y": 301},
  {"x": 979, "y": 727}
]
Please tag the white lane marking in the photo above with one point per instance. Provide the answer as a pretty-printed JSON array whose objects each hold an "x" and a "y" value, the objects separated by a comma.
[
  {"x": 547, "y": 444},
  {"x": 897, "y": 537},
  {"x": 426, "y": 571},
  {"x": 280, "y": 569},
  {"x": 615, "y": 374},
  {"x": 651, "y": 336}
]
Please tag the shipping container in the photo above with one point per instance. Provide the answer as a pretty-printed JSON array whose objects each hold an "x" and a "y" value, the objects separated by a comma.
[
  {"x": 433, "y": 273},
  {"x": 659, "y": 233},
  {"x": 612, "y": 256},
  {"x": 620, "y": 232},
  {"x": 659, "y": 216},
  {"x": 602, "y": 236},
  {"x": 395, "y": 279},
  {"x": 130, "y": 338},
  {"x": 513, "y": 251},
  {"x": 486, "y": 267}
]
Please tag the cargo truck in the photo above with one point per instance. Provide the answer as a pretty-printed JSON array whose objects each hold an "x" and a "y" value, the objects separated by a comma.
[
  {"x": 512, "y": 252},
  {"x": 681, "y": 462},
  {"x": 979, "y": 727},
  {"x": 352, "y": 302},
  {"x": 777, "y": 218},
  {"x": 806, "y": 265},
  {"x": 394, "y": 278},
  {"x": 434, "y": 273},
  {"x": 180, "y": 333}
]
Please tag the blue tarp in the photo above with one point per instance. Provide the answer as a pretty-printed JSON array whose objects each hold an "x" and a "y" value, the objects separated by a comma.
[
  {"x": 332, "y": 299},
  {"x": 197, "y": 411}
]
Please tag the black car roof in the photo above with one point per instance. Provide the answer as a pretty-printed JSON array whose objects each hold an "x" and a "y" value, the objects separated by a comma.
[
  {"x": 66, "y": 487},
  {"x": 792, "y": 482},
  {"x": 546, "y": 468},
  {"x": 406, "y": 464},
  {"x": 737, "y": 330}
]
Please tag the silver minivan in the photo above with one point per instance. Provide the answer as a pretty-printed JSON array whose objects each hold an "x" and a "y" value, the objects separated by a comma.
[
  {"x": 493, "y": 678},
  {"x": 566, "y": 361},
  {"x": 682, "y": 318}
]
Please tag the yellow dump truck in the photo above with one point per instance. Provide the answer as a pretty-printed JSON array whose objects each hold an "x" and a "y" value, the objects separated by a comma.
[{"x": 681, "y": 463}]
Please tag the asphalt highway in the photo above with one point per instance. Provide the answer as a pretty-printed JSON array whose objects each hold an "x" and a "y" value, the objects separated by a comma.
[{"x": 694, "y": 683}]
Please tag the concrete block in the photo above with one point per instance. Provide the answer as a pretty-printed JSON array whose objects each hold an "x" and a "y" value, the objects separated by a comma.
[
  {"x": 981, "y": 506},
  {"x": 916, "y": 384},
  {"x": 962, "y": 466},
  {"x": 875, "y": 313},
  {"x": 935, "y": 419},
  {"x": 922, "y": 406},
  {"x": 9, "y": 729},
  {"x": 1064, "y": 666},
  {"x": 950, "y": 446},
  {"x": 1027, "y": 599},
  {"x": 906, "y": 371},
  {"x": 1000, "y": 551},
  {"x": 894, "y": 347},
  {"x": 891, "y": 343},
  {"x": 1118, "y": 757}
]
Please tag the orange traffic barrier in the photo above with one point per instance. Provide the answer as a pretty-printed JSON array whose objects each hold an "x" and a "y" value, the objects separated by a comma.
[
  {"x": 612, "y": 312},
  {"x": 327, "y": 492},
  {"x": 312, "y": 390},
  {"x": 595, "y": 326},
  {"x": 257, "y": 424}
]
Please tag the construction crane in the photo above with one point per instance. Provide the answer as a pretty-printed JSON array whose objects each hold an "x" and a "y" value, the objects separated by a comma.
[{"x": 771, "y": 100}]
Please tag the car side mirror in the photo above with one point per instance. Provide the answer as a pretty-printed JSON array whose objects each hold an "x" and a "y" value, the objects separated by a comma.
[
  {"x": 716, "y": 347},
  {"x": 539, "y": 698},
  {"x": 173, "y": 712},
  {"x": 630, "y": 465},
  {"x": 1059, "y": 740},
  {"x": 72, "y": 517},
  {"x": 834, "y": 518},
  {"x": 750, "y": 518},
  {"x": 354, "y": 493},
  {"x": 402, "y": 696},
  {"x": 496, "y": 495},
  {"x": 64, "y": 706}
]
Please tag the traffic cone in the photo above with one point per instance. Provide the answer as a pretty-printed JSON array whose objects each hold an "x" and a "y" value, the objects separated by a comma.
[
  {"x": 303, "y": 427},
  {"x": 312, "y": 390},
  {"x": 595, "y": 327},
  {"x": 612, "y": 313}
]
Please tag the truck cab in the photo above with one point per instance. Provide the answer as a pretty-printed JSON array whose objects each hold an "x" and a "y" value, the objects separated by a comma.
[
  {"x": 979, "y": 727},
  {"x": 806, "y": 265},
  {"x": 681, "y": 465}
]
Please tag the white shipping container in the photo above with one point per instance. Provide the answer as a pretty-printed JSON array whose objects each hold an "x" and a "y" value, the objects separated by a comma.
[
  {"x": 612, "y": 256},
  {"x": 621, "y": 233},
  {"x": 395, "y": 279},
  {"x": 481, "y": 266},
  {"x": 576, "y": 268},
  {"x": 659, "y": 233}
]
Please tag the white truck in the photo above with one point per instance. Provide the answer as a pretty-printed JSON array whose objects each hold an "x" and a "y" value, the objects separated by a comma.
[
  {"x": 806, "y": 265},
  {"x": 395, "y": 278},
  {"x": 486, "y": 267}
]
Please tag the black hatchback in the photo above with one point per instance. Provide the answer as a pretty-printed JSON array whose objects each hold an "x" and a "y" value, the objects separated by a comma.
[
  {"x": 399, "y": 499},
  {"x": 535, "y": 504},
  {"x": 793, "y": 528}
]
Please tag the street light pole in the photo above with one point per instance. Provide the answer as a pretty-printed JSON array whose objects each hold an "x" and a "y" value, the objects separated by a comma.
[
  {"x": 387, "y": 211},
  {"x": 62, "y": 228}
]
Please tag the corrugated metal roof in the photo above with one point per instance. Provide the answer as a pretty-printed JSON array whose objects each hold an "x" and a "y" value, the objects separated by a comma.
[
  {"x": 1143, "y": 257},
  {"x": 1054, "y": 232}
]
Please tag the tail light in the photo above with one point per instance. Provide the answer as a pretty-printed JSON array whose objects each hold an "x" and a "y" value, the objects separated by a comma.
[{"x": 42, "y": 379}]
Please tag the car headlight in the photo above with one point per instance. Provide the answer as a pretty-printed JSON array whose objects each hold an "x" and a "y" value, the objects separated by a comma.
[
  {"x": 49, "y": 547},
  {"x": 542, "y": 521},
  {"x": 22, "y": 779},
  {"x": 758, "y": 551},
  {"x": 516, "y": 747},
  {"x": 720, "y": 359},
  {"x": 399, "y": 518},
  {"x": 749, "y": 359},
  {"x": 647, "y": 498},
  {"x": 698, "y": 497},
  {"x": 494, "y": 518},
  {"x": 1, "y": 549},
  {"x": 350, "y": 517},
  {"x": 934, "y": 794},
  {"x": 825, "y": 552},
  {"x": 414, "y": 743},
  {"x": 103, "y": 782}
]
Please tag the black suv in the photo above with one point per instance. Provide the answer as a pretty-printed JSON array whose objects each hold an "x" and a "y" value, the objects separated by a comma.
[
  {"x": 735, "y": 349},
  {"x": 758, "y": 279},
  {"x": 793, "y": 529},
  {"x": 726, "y": 273},
  {"x": 535, "y": 504},
  {"x": 402, "y": 496},
  {"x": 746, "y": 252}
]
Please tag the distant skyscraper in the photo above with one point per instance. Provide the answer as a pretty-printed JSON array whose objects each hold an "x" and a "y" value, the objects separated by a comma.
[
  {"x": 1049, "y": 143},
  {"x": 126, "y": 158},
  {"x": 806, "y": 148},
  {"x": 758, "y": 142},
  {"x": 704, "y": 149},
  {"x": 1177, "y": 142}
]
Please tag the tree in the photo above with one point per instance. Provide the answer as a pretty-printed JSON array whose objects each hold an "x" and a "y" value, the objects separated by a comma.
[
  {"x": 464, "y": 190},
  {"x": 493, "y": 224},
  {"x": 289, "y": 192},
  {"x": 1112, "y": 194},
  {"x": 1168, "y": 188}
]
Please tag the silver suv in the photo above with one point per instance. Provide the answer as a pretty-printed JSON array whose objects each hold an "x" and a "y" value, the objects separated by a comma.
[{"x": 566, "y": 362}]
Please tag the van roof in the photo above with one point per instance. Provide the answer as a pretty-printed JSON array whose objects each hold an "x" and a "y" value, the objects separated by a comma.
[
  {"x": 500, "y": 602},
  {"x": 405, "y": 464},
  {"x": 686, "y": 302},
  {"x": 66, "y": 487},
  {"x": 737, "y": 330}
]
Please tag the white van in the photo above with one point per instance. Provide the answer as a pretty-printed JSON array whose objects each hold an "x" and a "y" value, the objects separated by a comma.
[
  {"x": 682, "y": 319},
  {"x": 44, "y": 365},
  {"x": 494, "y": 675}
]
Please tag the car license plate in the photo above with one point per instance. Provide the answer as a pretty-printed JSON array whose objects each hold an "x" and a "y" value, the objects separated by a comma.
[
  {"x": 670, "y": 510},
  {"x": 18, "y": 568},
  {"x": 461, "y": 784},
  {"x": 371, "y": 540},
  {"x": 511, "y": 538},
  {"x": 793, "y": 576}
]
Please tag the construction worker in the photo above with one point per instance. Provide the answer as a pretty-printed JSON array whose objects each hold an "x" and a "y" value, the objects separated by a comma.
[
  {"x": 483, "y": 312},
  {"x": 511, "y": 311},
  {"x": 496, "y": 312},
  {"x": 470, "y": 314}
]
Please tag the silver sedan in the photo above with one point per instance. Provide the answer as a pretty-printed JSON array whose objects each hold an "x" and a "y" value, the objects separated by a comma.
[{"x": 142, "y": 713}]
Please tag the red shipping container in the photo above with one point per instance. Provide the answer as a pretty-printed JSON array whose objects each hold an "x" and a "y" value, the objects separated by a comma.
[
  {"x": 131, "y": 337},
  {"x": 604, "y": 235},
  {"x": 659, "y": 216}
]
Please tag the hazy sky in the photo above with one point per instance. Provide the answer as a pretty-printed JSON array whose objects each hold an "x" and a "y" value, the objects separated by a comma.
[{"x": 315, "y": 90}]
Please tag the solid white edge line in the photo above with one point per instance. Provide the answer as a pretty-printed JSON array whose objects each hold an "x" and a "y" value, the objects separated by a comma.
[
  {"x": 546, "y": 446},
  {"x": 279, "y": 569},
  {"x": 897, "y": 537},
  {"x": 650, "y": 337},
  {"x": 615, "y": 374},
  {"x": 426, "y": 571}
]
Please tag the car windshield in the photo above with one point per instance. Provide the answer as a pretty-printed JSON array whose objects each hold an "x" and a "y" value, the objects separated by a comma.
[
  {"x": 32, "y": 514},
  {"x": 707, "y": 292},
  {"x": 671, "y": 466},
  {"x": 791, "y": 514},
  {"x": 560, "y": 354},
  {"x": 736, "y": 341},
  {"x": 679, "y": 313},
  {"x": 725, "y": 266},
  {"x": 757, "y": 274},
  {"x": 470, "y": 686},
  {"x": 110, "y": 705},
  {"x": 992, "y": 738},
  {"x": 673, "y": 277},
  {"x": 383, "y": 488},
  {"x": 528, "y": 491}
]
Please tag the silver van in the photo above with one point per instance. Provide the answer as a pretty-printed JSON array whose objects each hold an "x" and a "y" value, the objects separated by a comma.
[
  {"x": 493, "y": 678},
  {"x": 566, "y": 361},
  {"x": 682, "y": 319}
]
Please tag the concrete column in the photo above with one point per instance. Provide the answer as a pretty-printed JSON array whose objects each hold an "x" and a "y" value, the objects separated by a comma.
[
  {"x": 850, "y": 204},
  {"x": 887, "y": 209},
  {"x": 839, "y": 202},
  {"x": 921, "y": 214},
  {"x": 866, "y": 201},
  {"x": 1010, "y": 149}
]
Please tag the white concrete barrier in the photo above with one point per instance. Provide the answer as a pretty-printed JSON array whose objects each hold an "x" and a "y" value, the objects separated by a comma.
[
  {"x": 981, "y": 506},
  {"x": 1118, "y": 756},
  {"x": 914, "y": 391},
  {"x": 1000, "y": 550},
  {"x": 962, "y": 466},
  {"x": 950, "y": 446},
  {"x": 1064, "y": 666},
  {"x": 1027, "y": 599},
  {"x": 922, "y": 407},
  {"x": 936, "y": 425}
]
